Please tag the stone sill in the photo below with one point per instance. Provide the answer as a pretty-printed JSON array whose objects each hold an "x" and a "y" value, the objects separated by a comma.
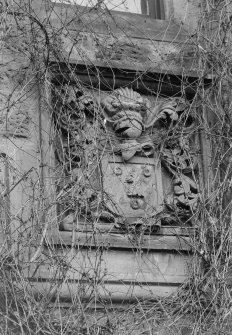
[{"x": 112, "y": 240}]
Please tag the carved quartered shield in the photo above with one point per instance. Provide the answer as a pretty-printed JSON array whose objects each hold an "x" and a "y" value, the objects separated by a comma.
[{"x": 132, "y": 189}]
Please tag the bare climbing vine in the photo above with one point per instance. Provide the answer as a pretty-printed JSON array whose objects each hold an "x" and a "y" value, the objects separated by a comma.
[{"x": 82, "y": 121}]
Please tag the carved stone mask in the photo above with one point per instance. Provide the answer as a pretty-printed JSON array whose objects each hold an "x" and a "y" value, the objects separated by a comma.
[{"x": 127, "y": 111}]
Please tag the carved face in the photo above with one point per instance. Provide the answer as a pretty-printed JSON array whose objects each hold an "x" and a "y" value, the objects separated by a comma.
[
  {"x": 128, "y": 124},
  {"x": 126, "y": 110}
]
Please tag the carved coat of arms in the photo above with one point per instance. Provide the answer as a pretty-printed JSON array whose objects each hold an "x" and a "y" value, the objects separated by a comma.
[{"x": 124, "y": 161}]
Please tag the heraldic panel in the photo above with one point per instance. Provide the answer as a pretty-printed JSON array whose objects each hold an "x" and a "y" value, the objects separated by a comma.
[{"x": 124, "y": 160}]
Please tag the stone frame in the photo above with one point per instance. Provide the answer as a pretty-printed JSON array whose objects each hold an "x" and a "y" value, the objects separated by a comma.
[
  {"x": 174, "y": 238},
  {"x": 168, "y": 11},
  {"x": 148, "y": 26}
]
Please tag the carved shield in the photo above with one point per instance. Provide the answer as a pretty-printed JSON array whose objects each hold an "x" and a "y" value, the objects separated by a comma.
[{"x": 132, "y": 189}]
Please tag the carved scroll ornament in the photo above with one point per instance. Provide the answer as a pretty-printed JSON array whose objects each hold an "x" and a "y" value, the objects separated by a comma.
[{"x": 126, "y": 162}]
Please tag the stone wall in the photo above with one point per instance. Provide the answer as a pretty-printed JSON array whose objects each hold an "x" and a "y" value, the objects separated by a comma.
[{"x": 29, "y": 37}]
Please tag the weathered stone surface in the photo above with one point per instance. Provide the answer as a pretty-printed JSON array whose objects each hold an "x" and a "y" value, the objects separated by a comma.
[{"x": 122, "y": 52}]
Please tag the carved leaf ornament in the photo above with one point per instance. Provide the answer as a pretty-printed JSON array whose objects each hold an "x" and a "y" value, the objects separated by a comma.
[{"x": 125, "y": 162}]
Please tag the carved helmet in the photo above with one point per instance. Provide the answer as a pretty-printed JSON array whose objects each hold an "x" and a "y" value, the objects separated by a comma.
[{"x": 127, "y": 111}]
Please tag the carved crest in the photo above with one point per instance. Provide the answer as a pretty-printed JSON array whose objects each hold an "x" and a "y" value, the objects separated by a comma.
[{"x": 124, "y": 161}]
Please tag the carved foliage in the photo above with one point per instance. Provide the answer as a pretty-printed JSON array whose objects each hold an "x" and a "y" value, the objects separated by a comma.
[{"x": 15, "y": 124}]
